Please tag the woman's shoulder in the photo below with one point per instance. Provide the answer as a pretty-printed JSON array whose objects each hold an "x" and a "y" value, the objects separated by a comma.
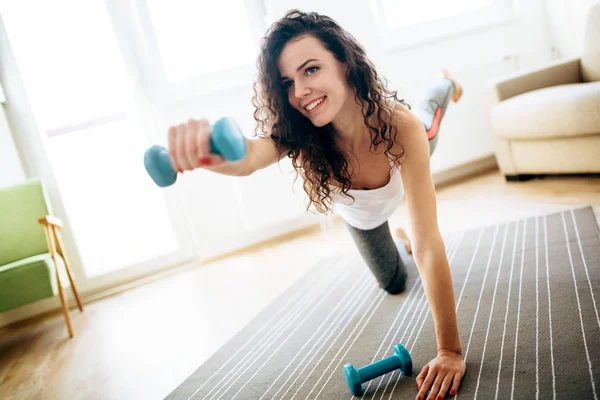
[
  {"x": 403, "y": 117},
  {"x": 406, "y": 122}
]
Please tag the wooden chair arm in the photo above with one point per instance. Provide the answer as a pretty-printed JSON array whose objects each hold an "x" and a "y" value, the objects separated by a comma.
[{"x": 50, "y": 220}]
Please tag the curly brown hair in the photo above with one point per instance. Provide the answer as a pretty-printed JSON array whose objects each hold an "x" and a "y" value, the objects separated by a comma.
[{"x": 313, "y": 150}]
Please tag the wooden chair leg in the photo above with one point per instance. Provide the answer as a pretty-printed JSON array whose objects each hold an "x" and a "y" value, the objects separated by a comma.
[
  {"x": 61, "y": 251},
  {"x": 63, "y": 298}
]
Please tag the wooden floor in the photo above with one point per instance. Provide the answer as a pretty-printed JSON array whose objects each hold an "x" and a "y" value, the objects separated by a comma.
[{"x": 142, "y": 343}]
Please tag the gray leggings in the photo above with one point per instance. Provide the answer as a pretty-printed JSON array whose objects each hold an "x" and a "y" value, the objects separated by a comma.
[{"x": 385, "y": 257}]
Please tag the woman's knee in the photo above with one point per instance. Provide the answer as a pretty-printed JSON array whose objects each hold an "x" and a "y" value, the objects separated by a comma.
[{"x": 398, "y": 284}]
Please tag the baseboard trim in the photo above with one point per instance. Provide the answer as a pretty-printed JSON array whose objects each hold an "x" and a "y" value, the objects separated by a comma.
[{"x": 465, "y": 170}]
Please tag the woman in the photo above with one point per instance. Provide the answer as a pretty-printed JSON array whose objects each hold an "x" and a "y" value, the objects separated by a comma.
[{"x": 360, "y": 151}]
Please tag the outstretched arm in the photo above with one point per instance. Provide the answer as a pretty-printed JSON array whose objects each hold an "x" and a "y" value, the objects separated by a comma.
[
  {"x": 189, "y": 148},
  {"x": 447, "y": 369},
  {"x": 262, "y": 152}
]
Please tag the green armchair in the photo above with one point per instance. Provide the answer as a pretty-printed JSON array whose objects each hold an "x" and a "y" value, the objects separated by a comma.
[{"x": 33, "y": 262}]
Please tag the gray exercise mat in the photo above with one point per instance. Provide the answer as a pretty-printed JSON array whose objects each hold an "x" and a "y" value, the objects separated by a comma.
[{"x": 527, "y": 296}]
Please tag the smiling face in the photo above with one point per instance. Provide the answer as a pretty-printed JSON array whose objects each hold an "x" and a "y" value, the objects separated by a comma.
[{"x": 314, "y": 79}]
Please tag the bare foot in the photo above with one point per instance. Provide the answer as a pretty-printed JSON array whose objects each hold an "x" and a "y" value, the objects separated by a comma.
[
  {"x": 400, "y": 234},
  {"x": 458, "y": 91}
]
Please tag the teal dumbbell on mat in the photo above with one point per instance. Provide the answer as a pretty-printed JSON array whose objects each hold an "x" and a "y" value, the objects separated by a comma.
[
  {"x": 356, "y": 377},
  {"x": 226, "y": 140}
]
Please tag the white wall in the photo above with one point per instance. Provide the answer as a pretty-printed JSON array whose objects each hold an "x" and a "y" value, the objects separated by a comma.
[
  {"x": 11, "y": 171},
  {"x": 567, "y": 20}
]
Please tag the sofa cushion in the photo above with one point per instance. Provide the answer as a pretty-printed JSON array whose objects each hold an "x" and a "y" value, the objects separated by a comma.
[
  {"x": 557, "y": 111},
  {"x": 28, "y": 280}
]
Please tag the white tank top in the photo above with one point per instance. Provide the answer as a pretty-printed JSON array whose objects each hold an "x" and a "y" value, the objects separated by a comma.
[{"x": 373, "y": 207}]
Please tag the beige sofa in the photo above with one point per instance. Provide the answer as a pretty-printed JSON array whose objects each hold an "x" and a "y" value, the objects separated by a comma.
[{"x": 547, "y": 121}]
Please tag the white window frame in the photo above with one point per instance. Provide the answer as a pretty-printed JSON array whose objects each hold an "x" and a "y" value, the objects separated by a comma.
[
  {"x": 498, "y": 13},
  {"x": 161, "y": 90}
]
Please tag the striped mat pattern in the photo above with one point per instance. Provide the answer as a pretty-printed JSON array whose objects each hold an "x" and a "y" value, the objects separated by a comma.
[{"x": 527, "y": 306}]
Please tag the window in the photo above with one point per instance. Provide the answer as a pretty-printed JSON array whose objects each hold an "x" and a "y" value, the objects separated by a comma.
[
  {"x": 196, "y": 38},
  {"x": 405, "y": 23},
  {"x": 83, "y": 103},
  {"x": 71, "y": 67},
  {"x": 194, "y": 48},
  {"x": 400, "y": 14}
]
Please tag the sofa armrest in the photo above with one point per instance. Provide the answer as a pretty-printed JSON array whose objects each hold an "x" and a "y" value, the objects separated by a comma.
[
  {"x": 50, "y": 220},
  {"x": 558, "y": 73}
]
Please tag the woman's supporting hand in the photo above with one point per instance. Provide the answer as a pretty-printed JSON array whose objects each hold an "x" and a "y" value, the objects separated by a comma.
[{"x": 442, "y": 376}]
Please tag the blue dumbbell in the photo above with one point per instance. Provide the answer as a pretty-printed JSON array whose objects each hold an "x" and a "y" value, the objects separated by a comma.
[
  {"x": 226, "y": 140},
  {"x": 356, "y": 377}
]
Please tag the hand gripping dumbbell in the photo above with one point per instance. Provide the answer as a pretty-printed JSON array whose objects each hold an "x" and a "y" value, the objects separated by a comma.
[
  {"x": 226, "y": 139},
  {"x": 356, "y": 377}
]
